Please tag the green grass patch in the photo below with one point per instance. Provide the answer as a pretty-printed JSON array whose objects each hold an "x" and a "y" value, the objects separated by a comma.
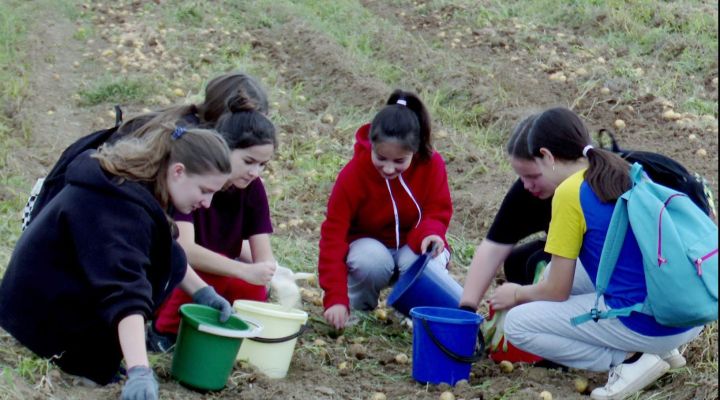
[{"x": 116, "y": 91}]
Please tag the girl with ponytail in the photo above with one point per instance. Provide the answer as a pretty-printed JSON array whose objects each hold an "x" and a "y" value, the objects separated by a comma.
[
  {"x": 237, "y": 221},
  {"x": 636, "y": 349},
  {"x": 389, "y": 204}
]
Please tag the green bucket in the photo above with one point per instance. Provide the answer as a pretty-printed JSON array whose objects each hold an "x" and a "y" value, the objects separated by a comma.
[{"x": 206, "y": 348}]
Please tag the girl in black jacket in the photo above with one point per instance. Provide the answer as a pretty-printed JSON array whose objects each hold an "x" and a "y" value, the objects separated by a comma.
[{"x": 101, "y": 257}]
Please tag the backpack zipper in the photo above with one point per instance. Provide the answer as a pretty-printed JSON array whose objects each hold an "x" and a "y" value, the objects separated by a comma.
[
  {"x": 661, "y": 259},
  {"x": 699, "y": 261}
]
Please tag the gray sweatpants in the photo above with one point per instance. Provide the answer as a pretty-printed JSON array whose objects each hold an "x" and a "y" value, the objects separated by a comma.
[
  {"x": 543, "y": 328},
  {"x": 371, "y": 266}
]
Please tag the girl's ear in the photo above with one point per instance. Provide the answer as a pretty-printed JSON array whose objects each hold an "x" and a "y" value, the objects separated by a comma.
[
  {"x": 176, "y": 170},
  {"x": 547, "y": 156}
]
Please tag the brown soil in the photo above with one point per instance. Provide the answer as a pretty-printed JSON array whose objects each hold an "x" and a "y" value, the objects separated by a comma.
[{"x": 308, "y": 57}]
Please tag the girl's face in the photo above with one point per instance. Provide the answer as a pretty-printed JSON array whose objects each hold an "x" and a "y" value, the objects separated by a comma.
[
  {"x": 533, "y": 178},
  {"x": 248, "y": 163},
  {"x": 188, "y": 192},
  {"x": 391, "y": 159}
]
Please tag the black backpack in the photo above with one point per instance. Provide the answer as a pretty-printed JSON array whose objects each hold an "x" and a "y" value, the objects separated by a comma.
[
  {"x": 46, "y": 189},
  {"x": 665, "y": 171}
]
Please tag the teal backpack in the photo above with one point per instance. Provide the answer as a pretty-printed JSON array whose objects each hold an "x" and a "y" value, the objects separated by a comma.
[{"x": 679, "y": 246}]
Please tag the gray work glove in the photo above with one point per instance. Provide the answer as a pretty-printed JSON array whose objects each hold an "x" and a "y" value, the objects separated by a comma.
[
  {"x": 141, "y": 384},
  {"x": 207, "y": 296}
]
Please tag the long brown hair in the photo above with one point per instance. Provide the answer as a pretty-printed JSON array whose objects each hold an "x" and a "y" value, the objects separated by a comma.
[
  {"x": 563, "y": 133},
  {"x": 147, "y": 159}
]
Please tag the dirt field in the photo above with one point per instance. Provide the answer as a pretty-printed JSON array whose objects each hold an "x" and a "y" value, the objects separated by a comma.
[{"x": 491, "y": 67}]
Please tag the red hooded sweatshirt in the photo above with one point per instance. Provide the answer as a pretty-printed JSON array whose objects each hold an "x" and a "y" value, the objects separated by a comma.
[{"x": 361, "y": 205}]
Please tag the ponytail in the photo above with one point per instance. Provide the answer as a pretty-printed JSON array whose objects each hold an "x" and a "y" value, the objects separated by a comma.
[
  {"x": 244, "y": 126},
  {"x": 563, "y": 133},
  {"x": 406, "y": 120},
  {"x": 608, "y": 174}
]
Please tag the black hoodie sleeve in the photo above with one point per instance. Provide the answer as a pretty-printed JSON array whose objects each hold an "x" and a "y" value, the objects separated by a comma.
[{"x": 113, "y": 242}]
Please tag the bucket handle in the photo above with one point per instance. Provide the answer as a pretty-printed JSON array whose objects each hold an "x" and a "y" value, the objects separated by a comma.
[
  {"x": 479, "y": 346},
  {"x": 295, "y": 335},
  {"x": 233, "y": 333}
]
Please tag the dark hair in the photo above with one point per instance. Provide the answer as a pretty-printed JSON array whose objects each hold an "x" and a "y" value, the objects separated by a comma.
[
  {"x": 244, "y": 126},
  {"x": 217, "y": 93},
  {"x": 222, "y": 88},
  {"x": 407, "y": 124},
  {"x": 563, "y": 133},
  {"x": 517, "y": 145}
]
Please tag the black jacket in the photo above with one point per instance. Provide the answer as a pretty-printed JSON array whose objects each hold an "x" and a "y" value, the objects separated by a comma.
[{"x": 99, "y": 251}]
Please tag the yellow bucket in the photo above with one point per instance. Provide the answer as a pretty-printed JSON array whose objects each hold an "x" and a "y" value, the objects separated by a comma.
[{"x": 272, "y": 352}]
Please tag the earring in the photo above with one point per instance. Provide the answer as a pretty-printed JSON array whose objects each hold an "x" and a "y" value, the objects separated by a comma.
[{"x": 553, "y": 166}]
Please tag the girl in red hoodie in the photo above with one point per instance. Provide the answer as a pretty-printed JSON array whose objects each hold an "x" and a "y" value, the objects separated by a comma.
[{"x": 389, "y": 204}]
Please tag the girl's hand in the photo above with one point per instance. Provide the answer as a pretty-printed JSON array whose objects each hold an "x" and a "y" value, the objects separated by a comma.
[
  {"x": 433, "y": 239},
  {"x": 259, "y": 273},
  {"x": 504, "y": 296},
  {"x": 337, "y": 315}
]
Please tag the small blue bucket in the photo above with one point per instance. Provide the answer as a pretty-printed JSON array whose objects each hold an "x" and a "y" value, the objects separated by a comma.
[
  {"x": 446, "y": 342},
  {"x": 421, "y": 286}
]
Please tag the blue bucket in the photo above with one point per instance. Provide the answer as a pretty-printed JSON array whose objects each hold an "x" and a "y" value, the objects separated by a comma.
[
  {"x": 420, "y": 286},
  {"x": 446, "y": 342}
]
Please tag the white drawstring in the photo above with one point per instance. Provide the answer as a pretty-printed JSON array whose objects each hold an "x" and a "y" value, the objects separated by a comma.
[
  {"x": 395, "y": 209},
  {"x": 397, "y": 219},
  {"x": 407, "y": 189}
]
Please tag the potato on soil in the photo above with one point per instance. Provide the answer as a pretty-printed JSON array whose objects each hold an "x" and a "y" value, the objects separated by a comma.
[
  {"x": 581, "y": 384},
  {"x": 506, "y": 366},
  {"x": 447, "y": 395}
]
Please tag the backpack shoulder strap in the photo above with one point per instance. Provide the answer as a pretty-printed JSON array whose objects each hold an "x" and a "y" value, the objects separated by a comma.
[{"x": 614, "y": 240}]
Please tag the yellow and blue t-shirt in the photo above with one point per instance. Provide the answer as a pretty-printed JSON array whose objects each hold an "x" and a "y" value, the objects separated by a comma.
[{"x": 577, "y": 230}]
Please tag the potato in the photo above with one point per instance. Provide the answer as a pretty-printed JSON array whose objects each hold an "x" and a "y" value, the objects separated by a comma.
[
  {"x": 545, "y": 395},
  {"x": 506, "y": 366},
  {"x": 619, "y": 124},
  {"x": 327, "y": 119},
  {"x": 380, "y": 314},
  {"x": 581, "y": 384},
  {"x": 378, "y": 396},
  {"x": 447, "y": 395},
  {"x": 401, "y": 358}
]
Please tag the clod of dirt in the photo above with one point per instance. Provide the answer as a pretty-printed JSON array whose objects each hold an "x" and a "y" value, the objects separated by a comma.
[
  {"x": 358, "y": 351},
  {"x": 378, "y": 396},
  {"x": 447, "y": 396},
  {"x": 506, "y": 366},
  {"x": 581, "y": 385},
  {"x": 545, "y": 395}
]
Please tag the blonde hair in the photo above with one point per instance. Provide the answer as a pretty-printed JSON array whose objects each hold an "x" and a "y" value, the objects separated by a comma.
[{"x": 147, "y": 159}]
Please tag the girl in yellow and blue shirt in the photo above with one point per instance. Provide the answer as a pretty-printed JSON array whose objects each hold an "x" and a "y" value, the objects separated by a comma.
[{"x": 636, "y": 349}]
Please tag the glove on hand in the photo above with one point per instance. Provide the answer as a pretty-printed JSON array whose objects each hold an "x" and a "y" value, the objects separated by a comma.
[
  {"x": 207, "y": 296},
  {"x": 141, "y": 384}
]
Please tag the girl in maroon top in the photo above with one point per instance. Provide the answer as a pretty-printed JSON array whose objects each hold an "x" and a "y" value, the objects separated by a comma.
[
  {"x": 389, "y": 204},
  {"x": 213, "y": 238}
]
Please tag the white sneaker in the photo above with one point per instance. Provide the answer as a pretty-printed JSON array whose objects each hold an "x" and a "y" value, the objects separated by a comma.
[
  {"x": 626, "y": 379},
  {"x": 674, "y": 358}
]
